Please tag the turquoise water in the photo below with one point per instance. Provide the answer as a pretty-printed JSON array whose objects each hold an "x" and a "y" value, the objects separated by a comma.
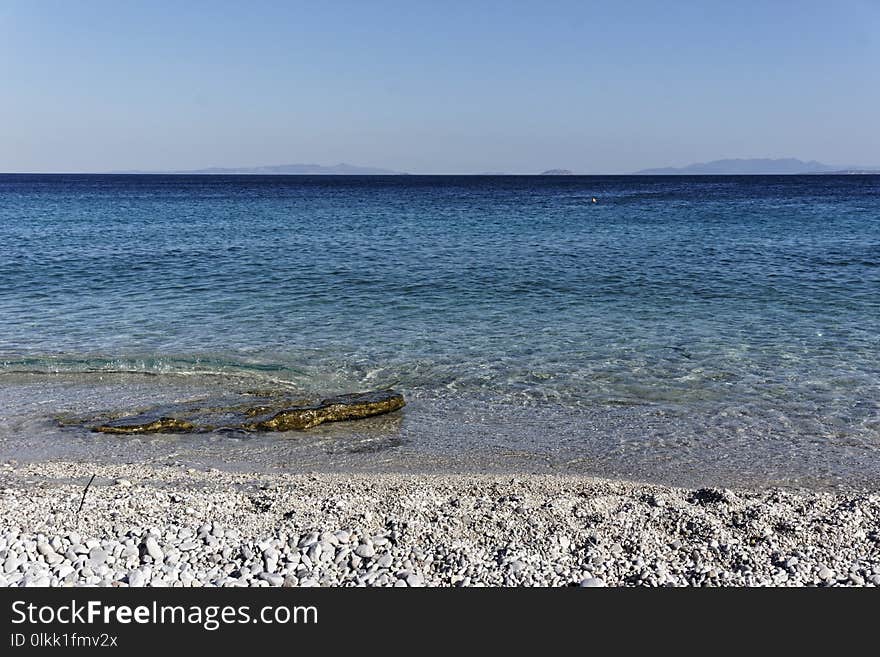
[{"x": 681, "y": 325}]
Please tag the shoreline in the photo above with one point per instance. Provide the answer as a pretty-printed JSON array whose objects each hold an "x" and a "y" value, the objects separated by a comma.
[
  {"x": 169, "y": 525},
  {"x": 48, "y": 420},
  {"x": 50, "y": 417}
]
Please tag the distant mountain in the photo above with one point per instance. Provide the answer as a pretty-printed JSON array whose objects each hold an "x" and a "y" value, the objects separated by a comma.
[
  {"x": 556, "y": 172},
  {"x": 853, "y": 172},
  {"x": 746, "y": 167},
  {"x": 286, "y": 169}
]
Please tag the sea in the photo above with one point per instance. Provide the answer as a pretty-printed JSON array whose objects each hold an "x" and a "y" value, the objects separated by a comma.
[{"x": 705, "y": 330}]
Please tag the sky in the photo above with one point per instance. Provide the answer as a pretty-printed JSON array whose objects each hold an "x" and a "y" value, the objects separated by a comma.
[{"x": 436, "y": 87}]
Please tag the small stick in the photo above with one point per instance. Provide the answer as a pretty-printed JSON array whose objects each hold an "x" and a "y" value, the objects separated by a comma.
[{"x": 83, "y": 500}]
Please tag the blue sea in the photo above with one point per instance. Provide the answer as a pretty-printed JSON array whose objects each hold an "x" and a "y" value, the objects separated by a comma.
[{"x": 718, "y": 330}]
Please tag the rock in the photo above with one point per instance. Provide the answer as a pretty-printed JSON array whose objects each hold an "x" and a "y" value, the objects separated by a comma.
[
  {"x": 97, "y": 555},
  {"x": 160, "y": 425},
  {"x": 656, "y": 500},
  {"x": 274, "y": 579},
  {"x": 45, "y": 549},
  {"x": 125, "y": 483},
  {"x": 153, "y": 549},
  {"x": 592, "y": 582},
  {"x": 270, "y": 559},
  {"x": 136, "y": 578},
  {"x": 130, "y": 552},
  {"x": 64, "y": 570},
  {"x": 274, "y": 415},
  {"x": 414, "y": 580},
  {"x": 335, "y": 409},
  {"x": 365, "y": 551},
  {"x": 31, "y": 582}
]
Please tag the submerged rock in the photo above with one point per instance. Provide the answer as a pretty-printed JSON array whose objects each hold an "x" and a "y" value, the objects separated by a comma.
[
  {"x": 162, "y": 425},
  {"x": 335, "y": 409},
  {"x": 271, "y": 415}
]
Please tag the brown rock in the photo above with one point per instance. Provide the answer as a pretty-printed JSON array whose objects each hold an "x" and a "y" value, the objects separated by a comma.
[
  {"x": 162, "y": 425},
  {"x": 335, "y": 409},
  {"x": 272, "y": 415}
]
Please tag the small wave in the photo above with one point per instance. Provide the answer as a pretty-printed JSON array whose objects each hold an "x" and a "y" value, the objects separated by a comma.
[{"x": 149, "y": 367}]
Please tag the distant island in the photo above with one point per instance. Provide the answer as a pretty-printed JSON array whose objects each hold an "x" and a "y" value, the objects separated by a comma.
[
  {"x": 755, "y": 166},
  {"x": 284, "y": 170},
  {"x": 853, "y": 172}
]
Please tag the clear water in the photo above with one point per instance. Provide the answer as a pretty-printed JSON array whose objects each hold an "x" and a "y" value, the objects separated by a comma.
[{"x": 681, "y": 329}]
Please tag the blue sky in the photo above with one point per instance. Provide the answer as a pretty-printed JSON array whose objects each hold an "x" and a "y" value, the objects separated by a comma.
[{"x": 469, "y": 87}]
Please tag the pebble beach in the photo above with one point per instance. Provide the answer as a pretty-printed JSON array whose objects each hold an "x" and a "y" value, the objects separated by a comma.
[{"x": 171, "y": 525}]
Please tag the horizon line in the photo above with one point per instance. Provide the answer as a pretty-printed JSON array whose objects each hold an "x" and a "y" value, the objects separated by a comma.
[{"x": 842, "y": 171}]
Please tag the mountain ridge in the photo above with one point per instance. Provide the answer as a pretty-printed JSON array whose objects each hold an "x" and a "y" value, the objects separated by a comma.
[{"x": 750, "y": 166}]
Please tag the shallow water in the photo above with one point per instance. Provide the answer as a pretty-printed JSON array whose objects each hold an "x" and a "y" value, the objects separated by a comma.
[{"x": 682, "y": 329}]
